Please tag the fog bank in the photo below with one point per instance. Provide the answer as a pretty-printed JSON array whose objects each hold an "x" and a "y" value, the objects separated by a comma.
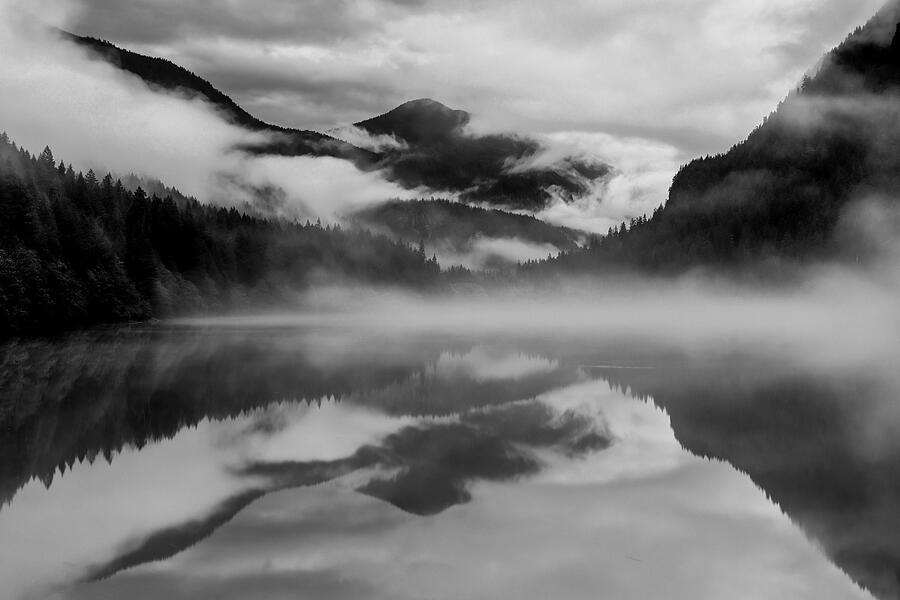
[
  {"x": 834, "y": 317},
  {"x": 95, "y": 116}
]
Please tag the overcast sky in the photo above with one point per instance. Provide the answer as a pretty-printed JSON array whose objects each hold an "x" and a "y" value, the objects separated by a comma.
[
  {"x": 695, "y": 74},
  {"x": 643, "y": 85}
]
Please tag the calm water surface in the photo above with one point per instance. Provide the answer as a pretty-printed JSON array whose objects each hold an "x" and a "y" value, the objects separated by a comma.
[{"x": 268, "y": 462}]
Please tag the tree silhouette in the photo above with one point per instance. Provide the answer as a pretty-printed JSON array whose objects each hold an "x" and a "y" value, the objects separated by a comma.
[{"x": 75, "y": 250}]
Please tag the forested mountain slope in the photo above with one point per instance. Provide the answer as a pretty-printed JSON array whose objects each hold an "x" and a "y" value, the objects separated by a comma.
[
  {"x": 455, "y": 223},
  {"x": 437, "y": 152},
  {"x": 166, "y": 75},
  {"x": 434, "y": 153},
  {"x": 784, "y": 190},
  {"x": 76, "y": 250}
]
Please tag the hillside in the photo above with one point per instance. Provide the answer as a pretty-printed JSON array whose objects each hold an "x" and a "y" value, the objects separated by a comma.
[
  {"x": 782, "y": 192},
  {"x": 419, "y": 122},
  {"x": 76, "y": 250},
  {"x": 168, "y": 76},
  {"x": 457, "y": 224},
  {"x": 437, "y": 152}
]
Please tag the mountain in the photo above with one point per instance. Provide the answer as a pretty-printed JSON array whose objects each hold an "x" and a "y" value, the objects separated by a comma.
[
  {"x": 434, "y": 150},
  {"x": 431, "y": 220},
  {"x": 419, "y": 122},
  {"x": 787, "y": 190},
  {"x": 166, "y": 75}
]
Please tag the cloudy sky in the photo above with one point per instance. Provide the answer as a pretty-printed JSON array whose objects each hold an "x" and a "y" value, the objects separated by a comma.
[
  {"x": 644, "y": 85},
  {"x": 695, "y": 74}
]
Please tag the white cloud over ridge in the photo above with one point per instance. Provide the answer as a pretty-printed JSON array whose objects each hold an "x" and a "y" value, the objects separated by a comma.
[
  {"x": 98, "y": 117},
  {"x": 682, "y": 77},
  {"x": 643, "y": 86},
  {"x": 642, "y": 171},
  {"x": 363, "y": 139},
  {"x": 488, "y": 252},
  {"x": 697, "y": 74}
]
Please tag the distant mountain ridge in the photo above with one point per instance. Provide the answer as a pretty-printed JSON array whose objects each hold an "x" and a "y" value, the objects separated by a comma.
[
  {"x": 436, "y": 219},
  {"x": 166, "y": 75},
  {"x": 437, "y": 152},
  {"x": 77, "y": 250},
  {"x": 418, "y": 122},
  {"x": 438, "y": 155}
]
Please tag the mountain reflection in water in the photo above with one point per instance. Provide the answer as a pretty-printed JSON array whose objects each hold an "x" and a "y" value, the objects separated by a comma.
[{"x": 232, "y": 463}]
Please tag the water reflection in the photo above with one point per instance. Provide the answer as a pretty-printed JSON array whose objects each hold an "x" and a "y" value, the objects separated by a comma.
[
  {"x": 823, "y": 446},
  {"x": 633, "y": 529},
  {"x": 185, "y": 462}
]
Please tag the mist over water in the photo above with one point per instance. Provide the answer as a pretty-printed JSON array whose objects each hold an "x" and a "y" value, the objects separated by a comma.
[
  {"x": 829, "y": 315},
  {"x": 693, "y": 437},
  {"x": 385, "y": 436}
]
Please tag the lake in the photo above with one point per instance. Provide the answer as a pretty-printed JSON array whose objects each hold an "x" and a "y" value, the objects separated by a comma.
[{"x": 268, "y": 459}]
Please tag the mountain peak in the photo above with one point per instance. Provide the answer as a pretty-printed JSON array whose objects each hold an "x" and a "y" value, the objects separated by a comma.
[
  {"x": 418, "y": 122},
  {"x": 424, "y": 103}
]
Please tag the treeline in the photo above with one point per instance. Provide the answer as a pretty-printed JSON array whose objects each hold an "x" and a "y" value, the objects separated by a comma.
[
  {"x": 77, "y": 250},
  {"x": 781, "y": 193}
]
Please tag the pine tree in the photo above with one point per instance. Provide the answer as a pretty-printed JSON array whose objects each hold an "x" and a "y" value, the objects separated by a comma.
[{"x": 46, "y": 158}]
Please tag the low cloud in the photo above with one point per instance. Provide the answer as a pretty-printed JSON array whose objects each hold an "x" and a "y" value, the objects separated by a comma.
[
  {"x": 639, "y": 181},
  {"x": 487, "y": 253},
  {"x": 319, "y": 67},
  {"x": 363, "y": 139},
  {"x": 95, "y": 116},
  {"x": 690, "y": 78},
  {"x": 696, "y": 74},
  {"x": 833, "y": 317},
  {"x": 304, "y": 187}
]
